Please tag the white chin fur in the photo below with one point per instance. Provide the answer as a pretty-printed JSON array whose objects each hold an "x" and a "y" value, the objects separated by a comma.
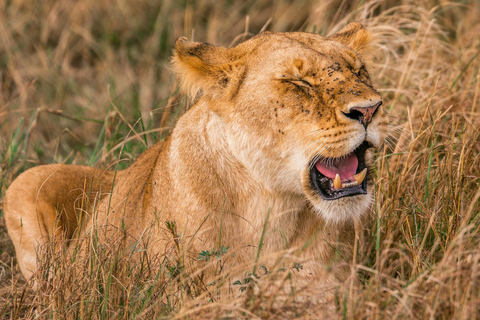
[{"x": 344, "y": 209}]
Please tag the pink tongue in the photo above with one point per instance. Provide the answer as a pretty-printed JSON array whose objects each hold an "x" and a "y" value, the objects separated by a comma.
[{"x": 345, "y": 167}]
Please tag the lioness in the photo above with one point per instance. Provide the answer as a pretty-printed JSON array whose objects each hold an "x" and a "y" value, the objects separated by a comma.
[{"x": 280, "y": 128}]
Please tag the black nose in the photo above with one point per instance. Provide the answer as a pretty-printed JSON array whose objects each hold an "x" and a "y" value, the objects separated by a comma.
[{"x": 363, "y": 115}]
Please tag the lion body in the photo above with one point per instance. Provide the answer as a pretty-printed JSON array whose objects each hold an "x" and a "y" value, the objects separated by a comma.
[{"x": 237, "y": 161}]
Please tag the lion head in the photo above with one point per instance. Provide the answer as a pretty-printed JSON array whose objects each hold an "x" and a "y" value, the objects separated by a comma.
[{"x": 300, "y": 110}]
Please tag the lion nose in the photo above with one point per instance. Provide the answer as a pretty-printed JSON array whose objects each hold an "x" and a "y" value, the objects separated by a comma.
[{"x": 362, "y": 114}]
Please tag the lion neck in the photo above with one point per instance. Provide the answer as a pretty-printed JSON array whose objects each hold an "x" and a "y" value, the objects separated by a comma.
[{"x": 217, "y": 180}]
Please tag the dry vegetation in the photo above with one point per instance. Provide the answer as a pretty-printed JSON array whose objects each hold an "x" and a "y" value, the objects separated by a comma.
[{"x": 86, "y": 82}]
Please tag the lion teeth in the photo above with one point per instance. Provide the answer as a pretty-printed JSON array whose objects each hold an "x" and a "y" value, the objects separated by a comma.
[
  {"x": 349, "y": 184},
  {"x": 359, "y": 177},
  {"x": 337, "y": 183}
]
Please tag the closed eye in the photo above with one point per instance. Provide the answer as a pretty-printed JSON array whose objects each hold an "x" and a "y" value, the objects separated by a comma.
[{"x": 301, "y": 83}]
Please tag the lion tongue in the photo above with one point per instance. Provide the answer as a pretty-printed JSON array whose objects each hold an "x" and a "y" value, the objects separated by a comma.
[{"x": 346, "y": 167}]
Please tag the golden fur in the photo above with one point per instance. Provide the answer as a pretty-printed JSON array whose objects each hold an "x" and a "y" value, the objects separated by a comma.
[{"x": 264, "y": 110}]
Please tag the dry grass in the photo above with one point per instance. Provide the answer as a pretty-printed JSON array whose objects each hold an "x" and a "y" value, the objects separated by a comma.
[{"x": 81, "y": 79}]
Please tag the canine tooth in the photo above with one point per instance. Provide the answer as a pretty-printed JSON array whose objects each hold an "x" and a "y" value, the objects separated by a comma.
[
  {"x": 337, "y": 183},
  {"x": 359, "y": 177}
]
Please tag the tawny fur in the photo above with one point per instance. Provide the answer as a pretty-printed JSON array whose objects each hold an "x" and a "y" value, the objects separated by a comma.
[{"x": 267, "y": 107}]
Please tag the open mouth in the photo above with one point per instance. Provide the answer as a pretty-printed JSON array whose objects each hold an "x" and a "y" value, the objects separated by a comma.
[{"x": 335, "y": 178}]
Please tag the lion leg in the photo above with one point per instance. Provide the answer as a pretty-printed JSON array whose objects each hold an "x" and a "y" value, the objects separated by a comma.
[{"x": 45, "y": 203}]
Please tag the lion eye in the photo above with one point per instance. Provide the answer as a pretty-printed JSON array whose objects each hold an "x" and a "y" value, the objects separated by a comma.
[{"x": 302, "y": 83}]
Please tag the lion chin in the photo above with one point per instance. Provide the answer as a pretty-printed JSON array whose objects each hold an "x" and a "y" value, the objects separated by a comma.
[{"x": 276, "y": 149}]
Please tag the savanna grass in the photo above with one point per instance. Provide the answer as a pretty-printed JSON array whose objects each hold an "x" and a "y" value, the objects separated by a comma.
[{"x": 87, "y": 82}]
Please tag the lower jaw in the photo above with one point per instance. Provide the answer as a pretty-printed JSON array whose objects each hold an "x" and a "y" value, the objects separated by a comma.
[
  {"x": 327, "y": 192},
  {"x": 344, "y": 210}
]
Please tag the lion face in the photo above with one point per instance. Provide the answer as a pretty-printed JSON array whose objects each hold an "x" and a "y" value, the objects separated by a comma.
[{"x": 301, "y": 112}]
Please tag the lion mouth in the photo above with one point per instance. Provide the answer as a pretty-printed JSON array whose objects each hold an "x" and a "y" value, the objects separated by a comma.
[{"x": 336, "y": 178}]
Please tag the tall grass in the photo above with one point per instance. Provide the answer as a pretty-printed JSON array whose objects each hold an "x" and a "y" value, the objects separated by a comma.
[{"x": 86, "y": 82}]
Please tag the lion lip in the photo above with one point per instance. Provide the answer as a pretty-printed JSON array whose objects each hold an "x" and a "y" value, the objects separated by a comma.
[{"x": 336, "y": 178}]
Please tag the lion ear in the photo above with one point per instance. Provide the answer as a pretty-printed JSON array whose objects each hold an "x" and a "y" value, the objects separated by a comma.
[
  {"x": 356, "y": 37},
  {"x": 206, "y": 69}
]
